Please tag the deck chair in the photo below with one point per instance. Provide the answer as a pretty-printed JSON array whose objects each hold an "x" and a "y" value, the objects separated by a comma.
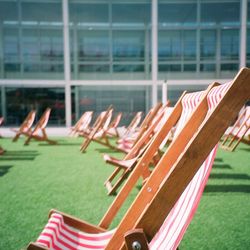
[
  {"x": 124, "y": 167},
  {"x": 162, "y": 210},
  {"x": 132, "y": 127},
  {"x": 113, "y": 127},
  {"x": 238, "y": 132},
  {"x": 26, "y": 126},
  {"x": 101, "y": 124},
  {"x": 180, "y": 114},
  {"x": 82, "y": 124},
  {"x": 126, "y": 143},
  {"x": 109, "y": 130},
  {"x": 39, "y": 132}
]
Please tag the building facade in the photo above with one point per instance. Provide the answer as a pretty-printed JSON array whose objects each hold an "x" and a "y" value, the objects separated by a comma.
[{"x": 78, "y": 55}]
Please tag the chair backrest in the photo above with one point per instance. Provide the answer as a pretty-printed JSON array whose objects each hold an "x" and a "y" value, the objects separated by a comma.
[
  {"x": 135, "y": 121},
  {"x": 116, "y": 121},
  {"x": 42, "y": 123},
  {"x": 182, "y": 160},
  {"x": 87, "y": 116},
  {"x": 180, "y": 113},
  {"x": 28, "y": 121}
]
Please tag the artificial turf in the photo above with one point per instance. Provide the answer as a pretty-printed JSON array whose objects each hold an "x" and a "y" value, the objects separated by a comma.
[{"x": 38, "y": 177}]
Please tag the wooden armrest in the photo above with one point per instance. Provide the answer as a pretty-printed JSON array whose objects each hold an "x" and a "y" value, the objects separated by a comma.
[
  {"x": 35, "y": 246},
  {"x": 135, "y": 239},
  {"x": 78, "y": 224}
]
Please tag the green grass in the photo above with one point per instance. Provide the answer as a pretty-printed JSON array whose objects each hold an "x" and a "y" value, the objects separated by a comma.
[{"x": 38, "y": 177}]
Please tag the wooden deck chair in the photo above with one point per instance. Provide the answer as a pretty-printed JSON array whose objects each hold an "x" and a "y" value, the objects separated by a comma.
[
  {"x": 238, "y": 132},
  {"x": 113, "y": 127},
  {"x": 82, "y": 125},
  {"x": 108, "y": 130},
  {"x": 124, "y": 167},
  {"x": 180, "y": 114},
  {"x": 101, "y": 124},
  {"x": 39, "y": 132},
  {"x": 125, "y": 144},
  {"x": 132, "y": 127},
  {"x": 26, "y": 126},
  {"x": 162, "y": 210}
]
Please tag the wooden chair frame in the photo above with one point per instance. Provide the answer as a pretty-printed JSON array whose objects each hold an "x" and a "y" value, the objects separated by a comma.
[
  {"x": 98, "y": 125},
  {"x": 85, "y": 120},
  {"x": 26, "y": 126},
  {"x": 134, "y": 154},
  {"x": 179, "y": 164},
  {"x": 40, "y": 126}
]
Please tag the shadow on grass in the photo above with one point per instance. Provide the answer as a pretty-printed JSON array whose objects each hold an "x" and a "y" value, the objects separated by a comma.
[
  {"x": 245, "y": 149},
  {"x": 22, "y": 152},
  {"x": 4, "y": 169},
  {"x": 218, "y": 159},
  {"x": 227, "y": 188},
  {"x": 60, "y": 144},
  {"x": 222, "y": 166},
  {"x": 230, "y": 176},
  {"x": 107, "y": 150}
]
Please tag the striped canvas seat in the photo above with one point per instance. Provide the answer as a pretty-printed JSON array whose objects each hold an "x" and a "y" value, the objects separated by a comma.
[
  {"x": 57, "y": 235},
  {"x": 176, "y": 223}
]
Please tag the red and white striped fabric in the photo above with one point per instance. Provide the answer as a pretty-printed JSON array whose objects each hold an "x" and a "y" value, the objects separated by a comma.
[
  {"x": 123, "y": 163},
  {"x": 59, "y": 236},
  {"x": 189, "y": 103},
  {"x": 176, "y": 223},
  {"x": 104, "y": 128},
  {"x": 86, "y": 119}
]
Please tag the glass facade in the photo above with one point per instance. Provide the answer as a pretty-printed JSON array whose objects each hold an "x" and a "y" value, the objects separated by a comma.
[
  {"x": 199, "y": 37},
  {"x": 31, "y": 40},
  {"x": 110, "y": 39},
  {"x": 110, "y": 42}
]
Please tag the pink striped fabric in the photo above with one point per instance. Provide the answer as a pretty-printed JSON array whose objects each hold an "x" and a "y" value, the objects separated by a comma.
[
  {"x": 87, "y": 117},
  {"x": 176, "y": 223},
  {"x": 104, "y": 128},
  {"x": 189, "y": 103},
  {"x": 59, "y": 236},
  {"x": 124, "y": 163}
]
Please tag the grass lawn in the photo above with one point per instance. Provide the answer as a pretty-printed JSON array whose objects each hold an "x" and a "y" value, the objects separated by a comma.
[{"x": 38, "y": 177}]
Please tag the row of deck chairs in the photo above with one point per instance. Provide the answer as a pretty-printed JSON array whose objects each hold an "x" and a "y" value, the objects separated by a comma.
[
  {"x": 239, "y": 131},
  {"x": 164, "y": 207},
  {"x": 38, "y": 132}
]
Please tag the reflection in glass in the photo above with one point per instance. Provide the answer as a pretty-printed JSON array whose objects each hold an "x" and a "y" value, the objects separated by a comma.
[
  {"x": 230, "y": 44},
  {"x": 226, "y": 13},
  {"x": 93, "y": 45},
  {"x": 169, "y": 45},
  {"x": 19, "y": 101},
  {"x": 125, "y": 99},
  {"x": 208, "y": 44},
  {"x": 128, "y": 45},
  {"x": 177, "y": 13}
]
